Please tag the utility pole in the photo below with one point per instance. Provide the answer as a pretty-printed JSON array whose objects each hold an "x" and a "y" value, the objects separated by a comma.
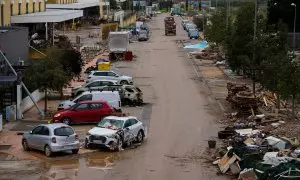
[{"x": 254, "y": 47}]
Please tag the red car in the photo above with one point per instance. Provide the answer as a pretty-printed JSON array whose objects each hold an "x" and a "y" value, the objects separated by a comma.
[{"x": 84, "y": 111}]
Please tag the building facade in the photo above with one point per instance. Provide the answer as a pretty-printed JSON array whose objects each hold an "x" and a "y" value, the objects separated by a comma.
[{"x": 11, "y": 8}]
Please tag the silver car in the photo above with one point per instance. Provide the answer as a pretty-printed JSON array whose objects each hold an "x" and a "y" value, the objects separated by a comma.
[
  {"x": 93, "y": 85},
  {"x": 51, "y": 138}
]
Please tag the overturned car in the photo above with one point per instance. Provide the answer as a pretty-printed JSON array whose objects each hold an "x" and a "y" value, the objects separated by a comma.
[{"x": 115, "y": 132}]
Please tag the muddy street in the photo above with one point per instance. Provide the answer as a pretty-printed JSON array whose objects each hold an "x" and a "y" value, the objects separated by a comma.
[{"x": 177, "y": 115}]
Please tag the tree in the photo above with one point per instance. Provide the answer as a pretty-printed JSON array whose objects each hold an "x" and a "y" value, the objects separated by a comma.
[
  {"x": 215, "y": 31},
  {"x": 290, "y": 84},
  {"x": 47, "y": 74},
  {"x": 274, "y": 58}
]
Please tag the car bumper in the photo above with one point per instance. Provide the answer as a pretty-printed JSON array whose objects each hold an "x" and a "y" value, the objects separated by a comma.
[
  {"x": 108, "y": 143},
  {"x": 65, "y": 147}
]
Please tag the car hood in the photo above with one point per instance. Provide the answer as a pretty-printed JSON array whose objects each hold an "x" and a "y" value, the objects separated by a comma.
[{"x": 102, "y": 131}]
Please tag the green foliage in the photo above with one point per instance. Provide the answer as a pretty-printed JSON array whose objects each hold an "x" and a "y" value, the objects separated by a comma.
[
  {"x": 240, "y": 49},
  {"x": 215, "y": 31}
]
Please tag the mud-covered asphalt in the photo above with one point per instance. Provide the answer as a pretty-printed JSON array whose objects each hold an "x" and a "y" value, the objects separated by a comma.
[{"x": 178, "y": 116}]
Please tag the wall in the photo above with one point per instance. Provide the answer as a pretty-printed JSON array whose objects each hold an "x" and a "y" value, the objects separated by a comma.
[
  {"x": 6, "y": 13},
  {"x": 14, "y": 43},
  {"x": 27, "y": 104},
  {"x": 30, "y": 6},
  {"x": 61, "y": 1}
]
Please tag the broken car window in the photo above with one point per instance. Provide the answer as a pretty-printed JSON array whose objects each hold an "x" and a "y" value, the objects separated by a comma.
[{"x": 111, "y": 124}]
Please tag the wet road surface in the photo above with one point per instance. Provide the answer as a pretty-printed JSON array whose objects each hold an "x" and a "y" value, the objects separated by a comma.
[{"x": 178, "y": 119}]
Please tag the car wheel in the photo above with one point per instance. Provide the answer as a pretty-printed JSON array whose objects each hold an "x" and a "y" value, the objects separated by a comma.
[
  {"x": 123, "y": 82},
  {"x": 25, "y": 145},
  {"x": 75, "y": 151},
  {"x": 66, "y": 121},
  {"x": 140, "y": 136},
  {"x": 48, "y": 151}
]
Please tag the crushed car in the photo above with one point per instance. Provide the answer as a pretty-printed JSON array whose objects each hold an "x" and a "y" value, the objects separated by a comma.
[{"x": 114, "y": 133}]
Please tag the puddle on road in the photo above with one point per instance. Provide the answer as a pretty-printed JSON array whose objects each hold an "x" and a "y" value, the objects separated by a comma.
[{"x": 93, "y": 166}]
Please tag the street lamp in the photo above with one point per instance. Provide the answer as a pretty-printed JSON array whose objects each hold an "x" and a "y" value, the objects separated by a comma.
[{"x": 294, "y": 35}]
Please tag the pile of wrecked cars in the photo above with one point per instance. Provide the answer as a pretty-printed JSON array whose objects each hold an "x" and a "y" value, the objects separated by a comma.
[{"x": 250, "y": 151}]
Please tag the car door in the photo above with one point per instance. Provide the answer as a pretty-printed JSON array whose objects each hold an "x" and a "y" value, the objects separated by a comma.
[
  {"x": 112, "y": 76},
  {"x": 134, "y": 127},
  {"x": 100, "y": 75},
  {"x": 80, "y": 113},
  {"x": 96, "y": 112},
  {"x": 43, "y": 138},
  {"x": 127, "y": 131},
  {"x": 33, "y": 136}
]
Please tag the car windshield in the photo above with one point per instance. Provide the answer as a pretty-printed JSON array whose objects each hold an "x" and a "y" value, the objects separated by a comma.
[
  {"x": 194, "y": 32},
  {"x": 63, "y": 131},
  {"x": 111, "y": 124}
]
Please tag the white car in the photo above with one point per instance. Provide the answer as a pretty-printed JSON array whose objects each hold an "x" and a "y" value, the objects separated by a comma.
[
  {"x": 114, "y": 132},
  {"x": 112, "y": 75}
]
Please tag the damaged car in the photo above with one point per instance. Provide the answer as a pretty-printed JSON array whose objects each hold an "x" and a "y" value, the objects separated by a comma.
[
  {"x": 115, "y": 132},
  {"x": 132, "y": 95}
]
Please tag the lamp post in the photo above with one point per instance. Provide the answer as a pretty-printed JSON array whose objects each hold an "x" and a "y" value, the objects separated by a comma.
[{"x": 294, "y": 35}]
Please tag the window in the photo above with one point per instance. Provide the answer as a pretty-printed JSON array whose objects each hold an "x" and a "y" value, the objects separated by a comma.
[
  {"x": 107, "y": 83},
  {"x": 37, "y": 130},
  {"x": 11, "y": 9},
  {"x": 39, "y": 6},
  {"x": 63, "y": 131},
  {"x": 86, "y": 97},
  {"x": 44, "y": 131},
  {"x": 100, "y": 74},
  {"x": 111, "y": 74},
  {"x": 33, "y": 7},
  {"x": 129, "y": 90},
  {"x": 96, "y": 106},
  {"x": 19, "y": 9},
  {"x": 27, "y": 8},
  {"x": 82, "y": 106},
  {"x": 127, "y": 124},
  {"x": 94, "y": 84},
  {"x": 133, "y": 121},
  {"x": 2, "y": 14}
]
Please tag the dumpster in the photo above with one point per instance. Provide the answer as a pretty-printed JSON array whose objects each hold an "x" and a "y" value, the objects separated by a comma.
[{"x": 103, "y": 66}]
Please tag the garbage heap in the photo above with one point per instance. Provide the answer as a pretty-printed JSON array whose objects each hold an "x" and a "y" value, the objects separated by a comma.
[
  {"x": 254, "y": 154},
  {"x": 251, "y": 149}
]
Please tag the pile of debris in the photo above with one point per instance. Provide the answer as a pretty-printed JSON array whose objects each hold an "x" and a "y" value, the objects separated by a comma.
[
  {"x": 254, "y": 154},
  {"x": 258, "y": 145},
  {"x": 242, "y": 99}
]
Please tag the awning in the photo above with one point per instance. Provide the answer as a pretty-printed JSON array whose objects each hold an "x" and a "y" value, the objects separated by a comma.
[
  {"x": 50, "y": 15},
  {"x": 4, "y": 79},
  {"x": 79, "y": 5}
]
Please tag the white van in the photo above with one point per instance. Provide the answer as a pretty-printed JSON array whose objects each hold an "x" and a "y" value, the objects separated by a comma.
[{"x": 111, "y": 97}]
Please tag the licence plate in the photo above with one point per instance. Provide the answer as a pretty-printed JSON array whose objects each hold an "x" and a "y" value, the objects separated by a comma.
[
  {"x": 68, "y": 146},
  {"x": 98, "y": 141}
]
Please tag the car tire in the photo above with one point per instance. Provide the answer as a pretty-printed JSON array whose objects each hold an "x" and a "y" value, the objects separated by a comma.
[
  {"x": 25, "y": 145},
  {"x": 48, "y": 151},
  {"x": 119, "y": 146},
  {"x": 75, "y": 151},
  {"x": 123, "y": 82},
  {"x": 140, "y": 136},
  {"x": 66, "y": 121}
]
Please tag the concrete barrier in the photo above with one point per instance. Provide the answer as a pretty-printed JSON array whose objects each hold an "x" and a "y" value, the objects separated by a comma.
[{"x": 27, "y": 103}]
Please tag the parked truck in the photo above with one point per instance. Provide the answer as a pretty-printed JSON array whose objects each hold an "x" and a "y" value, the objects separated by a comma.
[
  {"x": 118, "y": 44},
  {"x": 170, "y": 25}
]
